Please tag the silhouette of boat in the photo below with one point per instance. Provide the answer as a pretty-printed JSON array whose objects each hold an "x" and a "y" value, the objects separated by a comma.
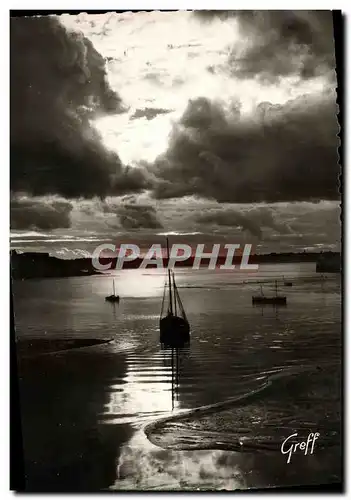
[
  {"x": 286, "y": 282},
  {"x": 269, "y": 299},
  {"x": 174, "y": 326},
  {"x": 113, "y": 297}
]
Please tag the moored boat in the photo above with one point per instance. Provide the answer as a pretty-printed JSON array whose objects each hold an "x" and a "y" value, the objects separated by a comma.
[
  {"x": 269, "y": 299},
  {"x": 174, "y": 325},
  {"x": 113, "y": 297}
]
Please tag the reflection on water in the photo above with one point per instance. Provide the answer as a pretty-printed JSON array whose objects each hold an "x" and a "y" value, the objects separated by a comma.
[
  {"x": 144, "y": 466},
  {"x": 150, "y": 387},
  {"x": 130, "y": 285},
  {"x": 131, "y": 383}
]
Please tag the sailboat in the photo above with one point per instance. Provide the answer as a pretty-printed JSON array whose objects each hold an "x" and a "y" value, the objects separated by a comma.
[
  {"x": 113, "y": 297},
  {"x": 174, "y": 326},
  {"x": 287, "y": 282},
  {"x": 269, "y": 299}
]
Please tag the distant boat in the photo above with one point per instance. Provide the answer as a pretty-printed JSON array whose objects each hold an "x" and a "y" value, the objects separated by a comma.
[
  {"x": 113, "y": 297},
  {"x": 174, "y": 326},
  {"x": 287, "y": 283},
  {"x": 269, "y": 299}
]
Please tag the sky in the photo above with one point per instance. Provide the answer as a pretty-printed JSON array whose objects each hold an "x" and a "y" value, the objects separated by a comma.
[{"x": 208, "y": 126}]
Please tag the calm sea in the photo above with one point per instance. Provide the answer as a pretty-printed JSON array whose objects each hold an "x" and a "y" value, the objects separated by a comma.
[{"x": 129, "y": 415}]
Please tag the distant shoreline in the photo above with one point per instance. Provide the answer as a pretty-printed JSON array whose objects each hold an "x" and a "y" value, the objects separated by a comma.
[{"x": 42, "y": 265}]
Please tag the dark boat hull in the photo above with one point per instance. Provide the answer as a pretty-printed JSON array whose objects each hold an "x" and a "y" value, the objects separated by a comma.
[
  {"x": 281, "y": 300},
  {"x": 174, "y": 331},
  {"x": 112, "y": 298}
]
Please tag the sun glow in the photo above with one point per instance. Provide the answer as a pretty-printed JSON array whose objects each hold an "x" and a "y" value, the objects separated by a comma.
[
  {"x": 135, "y": 140},
  {"x": 158, "y": 61},
  {"x": 134, "y": 283}
]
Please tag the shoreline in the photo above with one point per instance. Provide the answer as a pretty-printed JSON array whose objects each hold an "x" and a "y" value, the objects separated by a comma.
[
  {"x": 43, "y": 265},
  {"x": 30, "y": 348}
]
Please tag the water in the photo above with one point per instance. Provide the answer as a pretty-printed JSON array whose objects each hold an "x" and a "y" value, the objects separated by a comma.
[{"x": 254, "y": 376}]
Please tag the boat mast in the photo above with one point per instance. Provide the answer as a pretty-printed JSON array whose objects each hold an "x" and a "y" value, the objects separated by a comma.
[
  {"x": 169, "y": 281},
  {"x": 175, "y": 298},
  {"x": 276, "y": 288},
  {"x": 114, "y": 293}
]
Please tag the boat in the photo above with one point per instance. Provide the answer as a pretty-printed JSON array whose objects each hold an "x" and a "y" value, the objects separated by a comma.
[
  {"x": 174, "y": 325},
  {"x": 269, "y": 299},
  {"x": 287, "y": 282},
  {"x": 113, "y": 297}
]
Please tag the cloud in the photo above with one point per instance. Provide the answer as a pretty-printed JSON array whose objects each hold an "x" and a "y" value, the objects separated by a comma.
[
  {"x": 286, "y": 42},
  {"x": 36, "y": 214},
  {"x": 279, "y": 43},
  {"x": 138, "y": 217},
  {"x": 283, "y": 153},
  {"x": 208, "y": 15},
  {"x": 125, "y": 212},
  {"x": 230, "y": 218},
  {"x": 58, "y": 85},
  {"x": 149, "y": 113},
  {"x": 252, "y": 219}
]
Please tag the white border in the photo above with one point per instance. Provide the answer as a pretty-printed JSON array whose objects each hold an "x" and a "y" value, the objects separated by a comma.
[
  {"x": 4, "y": 249},
  {"x": 178, "y": 5}
]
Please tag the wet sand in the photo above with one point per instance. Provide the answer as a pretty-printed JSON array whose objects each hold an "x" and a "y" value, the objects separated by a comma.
[
  {"x": 62, "y": 396},
  {"x": 36, "y": 347}
]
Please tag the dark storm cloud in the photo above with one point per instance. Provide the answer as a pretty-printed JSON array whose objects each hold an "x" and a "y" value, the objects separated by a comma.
[
  {"x": 149, "y": 113},
  {"x": 230, "y": 218},
  {"x": 39, "y": 214},
  {"x": 285, "y": 153},
  {"x": 133, "y": 215},
  {"x": 58, "y": 83},
  {"x": 286, "y": 43},
  {"x": 138, "y": 216},
  {"x": 280, "y": 43},
  {"x": 209, "y": 15},
  {"x": 253, "y": 220}
]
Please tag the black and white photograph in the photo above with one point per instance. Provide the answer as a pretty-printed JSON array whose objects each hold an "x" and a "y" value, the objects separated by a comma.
[{"x": 175, "y": 249}]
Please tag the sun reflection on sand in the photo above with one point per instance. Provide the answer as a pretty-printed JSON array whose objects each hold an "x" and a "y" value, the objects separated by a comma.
[{"x": 143, "y": 395}]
